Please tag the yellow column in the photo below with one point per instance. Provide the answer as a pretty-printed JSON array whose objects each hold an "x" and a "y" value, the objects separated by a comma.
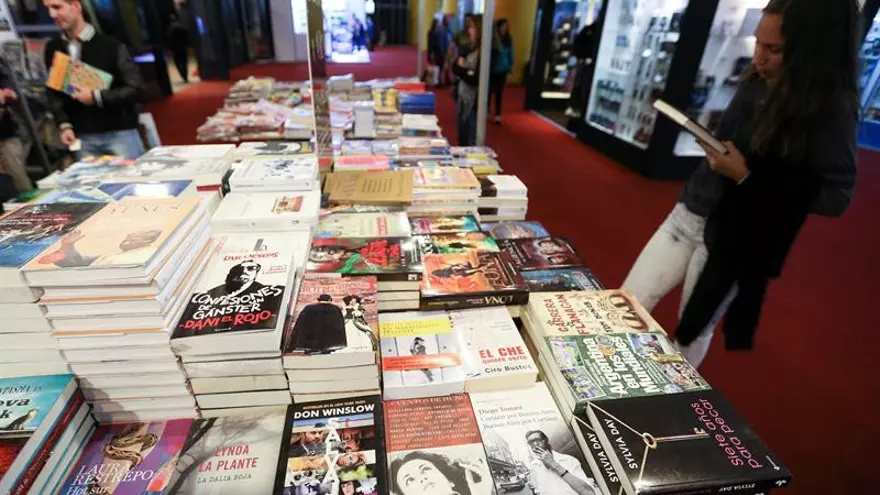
[
  {"x": 431, "y": 7},
  {"x": 520, "y": 14}
]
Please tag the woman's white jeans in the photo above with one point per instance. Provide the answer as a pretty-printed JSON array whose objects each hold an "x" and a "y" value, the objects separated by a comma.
[{"x": 675, "y": 254}]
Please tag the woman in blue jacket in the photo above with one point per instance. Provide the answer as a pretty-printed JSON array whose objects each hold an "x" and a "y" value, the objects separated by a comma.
[{"x": 502, "y": 63}]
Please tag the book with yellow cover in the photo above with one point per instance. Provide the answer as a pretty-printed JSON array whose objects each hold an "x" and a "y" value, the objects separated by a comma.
[
  {"x": 67, "y": 73},
  {"x": 372, "y": 188}
]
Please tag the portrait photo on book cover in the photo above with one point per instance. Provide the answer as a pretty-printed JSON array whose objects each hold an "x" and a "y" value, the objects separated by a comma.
[
  {"x": 537, "y": 459},
  {"x": 131, "y": 247},
  {"x": 457, "y": 470},
  {"x": 330, "y": 324}
]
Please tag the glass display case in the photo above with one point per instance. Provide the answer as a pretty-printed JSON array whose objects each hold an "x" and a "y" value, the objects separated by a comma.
[
  {"x": 728, "y": 54},
  {"x": 638, "y": 44},
  {"x": 569, "y": 17}
]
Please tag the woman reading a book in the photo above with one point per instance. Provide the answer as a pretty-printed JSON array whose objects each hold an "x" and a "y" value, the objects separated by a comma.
[{"x": 790, "y": 138}]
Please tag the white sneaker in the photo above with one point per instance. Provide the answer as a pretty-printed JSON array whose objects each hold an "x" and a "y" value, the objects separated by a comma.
[{"x": 497, "y": 119}]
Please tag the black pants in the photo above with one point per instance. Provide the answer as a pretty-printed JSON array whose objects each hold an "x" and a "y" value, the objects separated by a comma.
[
  {"x": 496, "y": 87},
  {"x": 180, "y": 52}
]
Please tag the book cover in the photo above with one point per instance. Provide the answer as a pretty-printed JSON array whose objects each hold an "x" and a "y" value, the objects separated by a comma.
[
  {"x": 502, "y": 186},
  {"x": 459, "y": 243},
  {"x": 561, "y": 280},
  {"x": 445, "y": 178},
  {"x": 444, "y": 225},
  {"x": 620, "y": 365},
  {"x": 695, "y": 442},
  {"x": 369, "y": 225},
  {"x": 493, "y": 352},
  {"x": 529, "y": 445},
  {"x": 434, "y": 446},
  {"x": 91, "y": 173},
  {"x": 471, "y": 279},
  {"x": 232, "y": 455},
  {"x": 275, "y": 148},
  {"x": 189, "y": 152},
  {"x": 334, "y": 315},
  {"x": 10, "y": 446},
  {"x": 243, "y": 211},
  {"x": 263, "y": 172},
  {"x": 596, "y": 455},
  {"x": 540, "y": 253},
  {"x": 106, "y": 192},
  {"x": 419, "y": 349},
  {"x": 515, "y": 230},
  {"x": 128, "y": 458},
  {"x": 25, "y": 402},
  {"x": 337, "y": 447},
  {"x": 393, "y": 187},
  {"x": 66, "y": 73},
  {"x": 588, "y": 313},
  {"x": 31, "y": 229},
  {"x": 388, "y": 258},
  {"x": 242, "y": 288},
  {"x": 125, "y": 233},
  {"x": 366, "y": 162}
]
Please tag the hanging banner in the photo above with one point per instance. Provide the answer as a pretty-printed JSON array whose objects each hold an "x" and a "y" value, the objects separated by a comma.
[{"x": 318, "y": 78}]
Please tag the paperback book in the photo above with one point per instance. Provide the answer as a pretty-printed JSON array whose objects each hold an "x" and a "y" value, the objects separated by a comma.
[
  {"x": 588, "y": 313},
  {"x": 31, "y": 229},
  {"x": 503, "y": 186},
  {"x": 233, "y": 455},
  {"x": 715, "y": 451},
  {"x": 620, "y": 365},
  {"x": 524, "y": 428},
  {"x": 445, "y": 178},
  {"x": 337, "y": 447},
  {"x": 459, "y": 243},
  {"x": 515, "y": 230},
  {"x": 128, "y": 458},
  {"x": 596, "y": 455},
  {"x": 106, "y": 192},
  {"x": 471, "y": 279},
  {"x": 561, "y": 280},
  {"x": 334, "y": 316},
  {"x": 541, "y": 253},
  {"x": 364, "y": 225},
  {"x": 275, "y": 148},
  {"x": 193, "y": 151},
  {"x": 267, "y": 212},
  {"x": 390, "y": 259},
  {"x": 66, "y": 74},
  {"x": 434, "y": 446},
  {"x": 444, "y": 225},
  {"x": 280, "y": 174}
]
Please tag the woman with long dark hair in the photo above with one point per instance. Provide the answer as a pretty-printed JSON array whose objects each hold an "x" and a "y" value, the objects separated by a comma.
[
  {"x": 467, "y": 68},
  {"x": 790, "y": 133},
  {"x": 427, "y": 473},
  {"x": 502, "y": 63}
]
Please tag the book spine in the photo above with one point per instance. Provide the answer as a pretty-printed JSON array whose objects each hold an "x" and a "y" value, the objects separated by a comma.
[
  {"x": 45, "y": 450},
  {"x": 469, "y": 301}
]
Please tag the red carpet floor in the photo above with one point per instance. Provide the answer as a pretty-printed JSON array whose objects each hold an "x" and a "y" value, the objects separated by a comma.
[{"x": 809, "y": 388}]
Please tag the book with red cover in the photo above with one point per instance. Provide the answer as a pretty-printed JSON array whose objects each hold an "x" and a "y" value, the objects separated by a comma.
[
  {"x": 471, "y": 279},
  {"x": 389, "y": 259},
  {"x": 541, "y": 253}
]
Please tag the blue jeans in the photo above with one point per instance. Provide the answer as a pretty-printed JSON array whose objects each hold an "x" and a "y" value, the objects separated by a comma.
[
  {"x": 467, "y": 127},
  {"x": 127, "y": 144}
]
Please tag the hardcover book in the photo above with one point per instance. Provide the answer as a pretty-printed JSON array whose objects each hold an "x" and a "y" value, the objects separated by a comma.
[
  {"x": 232, "y": 455},
  {"x": 588, "y": 313},
  {"x": 364, "y": 225},
  {"x": 334, "y": 316},
  {"x": 541, "y": 253},
  {"x": 128, "y": 458},
  {"x": 390, "y": 259},
  {"x": 123, "y": 234},
  {"x": 561, "y": 280},
  {"x": 434, "y": 446},
  {"x": 421, "y": 355},
  {"x": 202, "y": 171},
  {"x": 337, "y": 447},
  {"x": 28, "y": 231},
  {"x": 493, "y": 352},
  {"x": 67, "y": 73},
  {"x": 459, "y": 243},
  {"x": 106, "y": 192},
  {"x": 444, "y": 225},
  {"x": 275, "y": 148},
  {"x": 471, "y": 279},
  {"x": 243, "y": 288},
  {"x": 524, "y": 428},
  {"x": 515, "y": 230},
  {"x": 283, "y": 174},
  {"x": 693, "y": 442}
]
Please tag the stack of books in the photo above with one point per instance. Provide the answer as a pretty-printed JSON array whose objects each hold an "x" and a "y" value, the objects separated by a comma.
[
  {"x": 331, "y": 342},
  {"x": 421, "y": 103},
  {"x": 413, "y": 149},
  {"x": 229, "y": 334},
  {"x": 396, "y": 262},
  {"x": 205, "y": 164},
  {"x": 273, "y": 150},
  {"x": 44, "y": 424},
  {"x": 443, "y": 191},
  {"x": 112, "y": 291},
  {"x": 542, "y": 253},
  {"x": 283, "y": 174},
  {"x": 503, "y": 198},
  {"x": 364, "y": 119},
  {"x": 362, "y": 163},
  {"x": 482, "y": 160},
  {"x": 245, "y": 212},
  {"x": 420, "y": 125},
  {"x": 25, "y": 334}
]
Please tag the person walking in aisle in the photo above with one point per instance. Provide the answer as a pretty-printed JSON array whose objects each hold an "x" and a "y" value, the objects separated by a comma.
[
  {"x": 502, "y": 64},
  {"x": 105, "y": 121},
  {"x": 467, "y": 69},
  {"x": 790, "y": 132},
  {"x": 436, "y": 53},
  {"x": 179, "y": 39},
  {"x": 11, "y": 148}
]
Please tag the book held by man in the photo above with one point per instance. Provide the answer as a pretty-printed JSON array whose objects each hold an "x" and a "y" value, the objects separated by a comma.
[{"x": 66, "y": 74}]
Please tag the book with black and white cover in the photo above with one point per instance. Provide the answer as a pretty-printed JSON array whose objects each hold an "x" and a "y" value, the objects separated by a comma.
[
  {"x": 275, "y": 175},
  {"x": 274, "y": 149},
  {"x": 337, "y": 446},
  {"x": 233, "y": 455},
  {"x": 369, "y": 225},
  {"x": 523, "y": 427},
  {"x": 693, "y": 442},
  {"x": 503, "y": 186},
  {"x": 596, "y": 456},
  {"x": 243, "y": 294},
  {"x": 434, "y": 446},
  {"x": 267, "y": 212},
  {"x": 186, "y": 152}
]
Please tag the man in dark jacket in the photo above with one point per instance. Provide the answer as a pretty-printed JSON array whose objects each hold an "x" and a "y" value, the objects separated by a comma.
[
  {"x": 105, "y": 121},
  {"x": 11, "y": 148}
]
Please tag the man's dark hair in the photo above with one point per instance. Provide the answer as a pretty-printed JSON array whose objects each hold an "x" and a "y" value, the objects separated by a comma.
[
  {"x": 325, "y": 298},
  {"x": 538, "y": 432}
]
